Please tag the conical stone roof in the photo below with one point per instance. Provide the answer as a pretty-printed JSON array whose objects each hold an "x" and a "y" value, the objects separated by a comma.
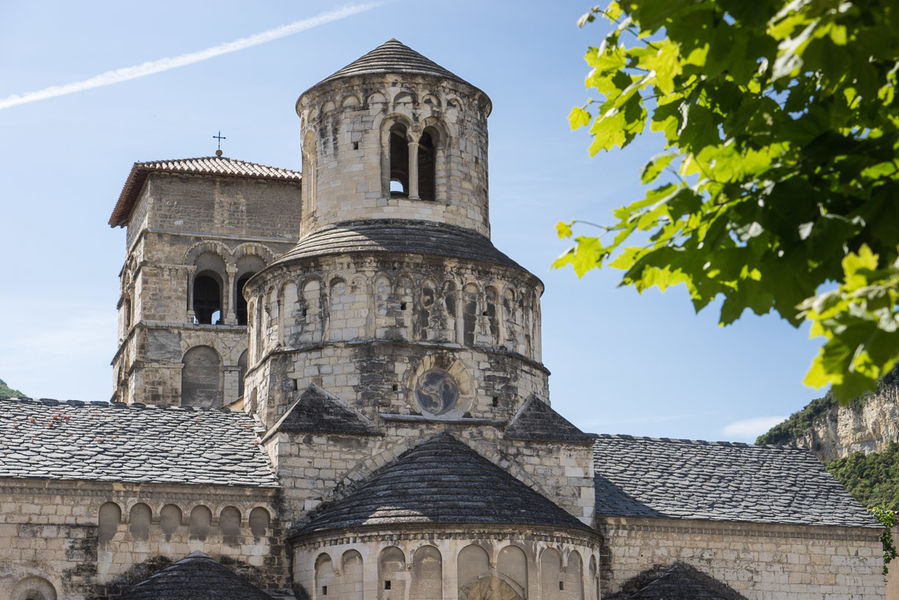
[
  {"x": 195, "y": 577},
  {"x": 394, "y": 57},
  {"x": 441, "y": 480}
]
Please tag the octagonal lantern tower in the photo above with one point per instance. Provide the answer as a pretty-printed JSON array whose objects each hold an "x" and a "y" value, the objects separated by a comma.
[{"x": 394, "y": 300}]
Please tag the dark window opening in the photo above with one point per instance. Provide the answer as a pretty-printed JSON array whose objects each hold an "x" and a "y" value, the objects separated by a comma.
[
  {"x": 241, "y": 302},
  {"x": 324, "y": 590},
  {"x": 386, "y": 584},
  {"x": 426, "y": 167},
  {"x": 241, "y": 373},
  {"x": 207, "y": 300},
  {"x": 561, "y": 585},
  {"x": 399, "y": 162}
]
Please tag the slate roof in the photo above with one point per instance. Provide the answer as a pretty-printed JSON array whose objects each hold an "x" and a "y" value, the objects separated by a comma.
[
  {"x": 195, "y": 577},
  {"x": 218, "y": 166},
  {"x": 679, "y": 581},
  {"x": 394, "y": 235},
  {"x": 440, "y": 481},
  {"x": 536, "y": 420},
  {"x": 317, "y": 411},
  {"x": 99, "y": 441},
  {"x": 393, "y": 57},
  {"x": 718, "y": 481}
]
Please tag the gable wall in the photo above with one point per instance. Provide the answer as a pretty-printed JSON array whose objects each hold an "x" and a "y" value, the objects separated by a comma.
[{"x": 760, "y": 561}]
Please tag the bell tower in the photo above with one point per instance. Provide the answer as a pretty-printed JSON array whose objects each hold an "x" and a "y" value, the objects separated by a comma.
[
  {"x": 394, "y": 135},
  {"x": 394, "y": 300}
]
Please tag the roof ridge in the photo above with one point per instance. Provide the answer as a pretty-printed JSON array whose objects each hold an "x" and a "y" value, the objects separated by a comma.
[
  {"x": 214, "y": 157},
  {"x": 118, "y": 405},
  {"x": 627, "y": 436}
]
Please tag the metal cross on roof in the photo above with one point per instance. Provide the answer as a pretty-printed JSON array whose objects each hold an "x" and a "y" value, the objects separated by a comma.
[{"x": 219, "y": 137}]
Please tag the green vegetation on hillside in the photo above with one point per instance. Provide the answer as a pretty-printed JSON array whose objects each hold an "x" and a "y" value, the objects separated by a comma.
[
  {"x": 872, "y": 479},
  {"x": 5, "y": 390},
  {"x": 798, "y": 423}
]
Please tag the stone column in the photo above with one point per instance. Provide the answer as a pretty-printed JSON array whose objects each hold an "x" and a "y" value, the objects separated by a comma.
[
  {"x": 413, "y": 171},
  {"x": 190, "y": 272},
  {"x": 230, "y": 317}
]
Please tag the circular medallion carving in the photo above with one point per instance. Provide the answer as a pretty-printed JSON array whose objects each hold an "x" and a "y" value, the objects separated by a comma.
[{"x": 436, "y": 391}]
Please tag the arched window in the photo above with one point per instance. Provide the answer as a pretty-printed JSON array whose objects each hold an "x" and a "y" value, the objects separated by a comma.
[
  {"x": 551, "y": 583},
  {"x": 399, "y": 162},
  {"x": 108, "y": 521},
  {"x": 427, "y": 165},
  {"x": 200, "y": 522},
  {"x": 201, "y": 378},
  {"x": 229, "y": 521},
  {"x": 33, "y": 588},
  {"x": 391, "y": 574},
  {"x": 351, "y": 576},
  {"x": 259, "y": 521},
  {"x": 169, "y": 520},
  {"x": 427, "y": 574},
  {"x": 208, "y": 298},
  {"x": 139, "y": 521}
]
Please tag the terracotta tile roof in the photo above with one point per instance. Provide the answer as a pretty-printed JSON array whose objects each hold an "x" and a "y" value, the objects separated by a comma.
[
  {"x": 718, "y": 481},
  {"x": 216, "y": 166},
  {"x": 193, "y": 577},
  {"x": 101, "y": 441},
  {"x": 394, "y": 57},
  {"x": 441, "y": 480}
]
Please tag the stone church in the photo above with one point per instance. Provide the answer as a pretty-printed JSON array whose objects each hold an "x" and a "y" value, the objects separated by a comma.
[{"x": 329, "y": 385}]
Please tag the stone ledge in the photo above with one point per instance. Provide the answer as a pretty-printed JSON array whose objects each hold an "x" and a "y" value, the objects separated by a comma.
[{"x": 455, "y": 421}]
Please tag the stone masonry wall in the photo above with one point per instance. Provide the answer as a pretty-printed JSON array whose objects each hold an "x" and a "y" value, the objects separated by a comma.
[
  {"x": 441, "y": 562},
  {"x": 346, "y": 127},
  {"x": 317, "y": 467},
  {"x": 92, "y": 540},
  {"x": 760, "y": 561},
  {"x": 184, "y": 225}
]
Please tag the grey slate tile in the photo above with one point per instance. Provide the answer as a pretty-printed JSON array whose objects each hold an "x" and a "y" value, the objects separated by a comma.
[
  {"x": 401, "y": 236},
  {"x": 110, "y": 442},
  {"x": 718, "y": 481},
  {"x": 393, "y": 57},
  {"x": 195, "y": 577},
  {"x": 440, "y": 481},
  {"x": 536, "y": 420},
  {"x": 317, "y": 411}
]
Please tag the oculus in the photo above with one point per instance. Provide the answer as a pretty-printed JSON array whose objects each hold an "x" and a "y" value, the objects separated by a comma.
[{"x": 436, "y": 392}]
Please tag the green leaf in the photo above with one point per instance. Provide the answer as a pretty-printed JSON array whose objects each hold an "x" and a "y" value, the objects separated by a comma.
[
  {"x": 787, "y": 120},
  {"x": 564, "y": 229},
  {"x": 579, "y": 118},
  {"x": 655, "y": 166}
]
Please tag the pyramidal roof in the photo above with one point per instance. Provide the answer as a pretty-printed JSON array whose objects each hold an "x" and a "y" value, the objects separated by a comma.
[
  {"x": 193, "y": 577},
  {"x": 441, "y": 480},
  {"x": 394, "y": 57}
]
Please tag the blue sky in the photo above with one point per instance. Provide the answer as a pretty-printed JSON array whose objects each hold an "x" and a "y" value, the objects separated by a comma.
[{"x": 620, "y": 362}]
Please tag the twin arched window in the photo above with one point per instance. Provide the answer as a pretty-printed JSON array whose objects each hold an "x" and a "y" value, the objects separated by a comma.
[{"x": 413, "y": 163}]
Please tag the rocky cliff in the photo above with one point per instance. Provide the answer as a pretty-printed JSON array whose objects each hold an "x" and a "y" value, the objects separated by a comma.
[{"x": 835, "y": 431}]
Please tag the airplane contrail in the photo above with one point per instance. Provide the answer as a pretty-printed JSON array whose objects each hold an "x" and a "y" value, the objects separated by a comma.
[{"x": 165, "y": 64}]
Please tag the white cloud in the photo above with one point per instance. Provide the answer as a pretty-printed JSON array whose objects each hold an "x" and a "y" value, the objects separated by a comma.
[
  {"x": 165, "y": 64},
  {"x": 749, "y": 429}
]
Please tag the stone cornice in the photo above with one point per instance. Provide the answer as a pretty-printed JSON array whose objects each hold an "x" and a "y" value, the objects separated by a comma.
[{"x": 611, "y": 525}]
